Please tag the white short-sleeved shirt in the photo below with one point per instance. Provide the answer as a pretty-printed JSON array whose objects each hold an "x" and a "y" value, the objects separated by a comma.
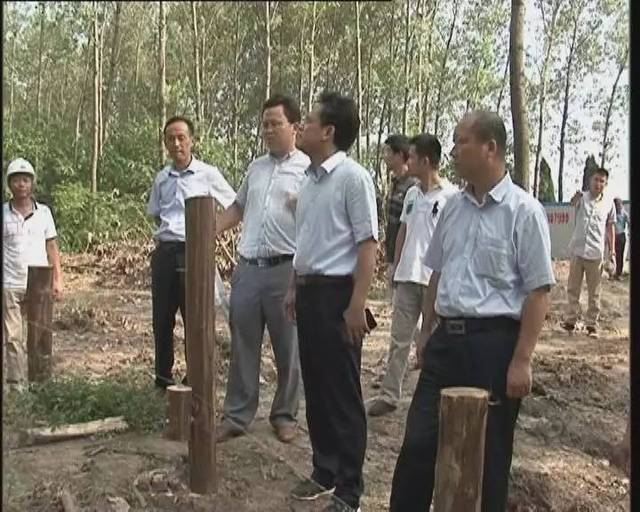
[
  {"x": 336, "y": 211},
  {"x": 172, "y": 188},
  {"x": 420, "y": 214},
  {"x": 267, "y": 197},
  {"x": 490, "y": 256},
  {"x": 24, "y": 242},
  {"x": 592, "y": 217}
]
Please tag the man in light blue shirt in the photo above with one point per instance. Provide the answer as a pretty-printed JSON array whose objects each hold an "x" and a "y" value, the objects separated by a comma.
[
  {"x": 183, "y": 178},
  {"x": 489, "y": 292},
  {"x": 266, "y": 206}
]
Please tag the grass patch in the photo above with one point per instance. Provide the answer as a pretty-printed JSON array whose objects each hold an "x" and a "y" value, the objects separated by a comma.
[{"x": 77, "y": 399}]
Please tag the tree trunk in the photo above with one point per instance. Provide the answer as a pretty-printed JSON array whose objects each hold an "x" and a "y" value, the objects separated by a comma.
[
  {"x": 162, "y": 78},
  {"x": 40, "y": 54},
  {"x": 12, "y": 74},
  {"x": 268, "y": 48},
  {"x": 301, "y": 59},
  {"x": 565, "y": 108},
  {"x": 607, "y": 120},
  {"x": 196, "y": 66},
  {"x": 367, "y": 109},
  {"x": 518, "y": 108},
  {"x": 100, "y": 82},
  {"x": 236, "y": 92},
  {"x": 358, "y": 76},
  {"x": 79, "y": 111},
  {"x": 405, "y": 65},
  {"x": 312, "y": 52},
  {"x": 443, "y": 69},
  {"x": 96, "y": 102},
  {"x": 543, "y": 92},
  {"x": 421, "y": 17},
  {"x": 427, "y": 88},
  {"x": 115, "y": 55},
  {"x": 380, "y": 130}
]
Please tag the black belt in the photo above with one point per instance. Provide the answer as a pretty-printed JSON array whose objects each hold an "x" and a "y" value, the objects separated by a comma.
[
  {"x": 266, "y": 262},
  {"x": 318, "y": 279},
  {"x": 466, "y": 325}
]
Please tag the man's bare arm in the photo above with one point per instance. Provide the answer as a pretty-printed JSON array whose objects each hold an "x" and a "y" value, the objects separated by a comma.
[
  {"x": 534, "y": 311},
  {"x": 53, "y": 256},
  {"x": 400, "y": 239},
  {"x": 354, "y": 315},
  {"x": 429, "y": 316},
  {"x": 229, "y": 218}
]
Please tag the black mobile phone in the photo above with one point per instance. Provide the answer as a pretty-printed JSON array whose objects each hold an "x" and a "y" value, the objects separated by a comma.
[{"x": 371, "y": 321}]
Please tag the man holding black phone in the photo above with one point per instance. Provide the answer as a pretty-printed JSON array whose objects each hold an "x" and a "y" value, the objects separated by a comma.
[{"x": 336, "y": 239}]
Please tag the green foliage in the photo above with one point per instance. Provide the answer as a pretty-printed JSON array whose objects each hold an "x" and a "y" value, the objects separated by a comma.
[
  {"x": 546, "y": 192},
  {"x": 77, "y": 399}
]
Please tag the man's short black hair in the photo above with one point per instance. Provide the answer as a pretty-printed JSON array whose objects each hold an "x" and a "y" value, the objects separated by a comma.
[
  {"x": 398, "y": 144},
  {"x": 176, "y": 119},
  {"x": 342, "y": 113},
  {"x": 487, "y": 126},
  {"x": 289, "y": 106},
  {"x": 602, "y": 171},
  {"x": 428, "y": 146}
]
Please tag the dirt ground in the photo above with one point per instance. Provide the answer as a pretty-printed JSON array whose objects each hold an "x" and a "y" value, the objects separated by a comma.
[{"x": 578, "y": 408}]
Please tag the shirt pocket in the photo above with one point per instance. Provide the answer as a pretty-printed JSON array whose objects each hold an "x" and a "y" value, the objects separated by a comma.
[
  {"x": 493, "y": 261},
  {"x": 11, "y": 229}
]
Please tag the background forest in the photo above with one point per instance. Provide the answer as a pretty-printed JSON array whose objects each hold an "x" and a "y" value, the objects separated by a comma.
[{"x": 87, "y": 87}]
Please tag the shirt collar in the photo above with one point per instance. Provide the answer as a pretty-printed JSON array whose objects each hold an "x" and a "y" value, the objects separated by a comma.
[
  {"x": 191, "y": 168},
  {"x": 497, "y": 193},
  {"x": 13, "y": 210},
  {"x": 286, "y": 156},
  {"x": 328, "y": 165}
]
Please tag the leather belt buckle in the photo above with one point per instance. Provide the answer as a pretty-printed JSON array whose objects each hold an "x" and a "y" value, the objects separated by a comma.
[{"x": 455, "y": 326}]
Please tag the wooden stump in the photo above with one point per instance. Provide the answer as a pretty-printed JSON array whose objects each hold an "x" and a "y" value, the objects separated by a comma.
[
  {"x": 459, "y": 466},
  {"x": 179, "y": 412},
  {"x": 39, "y": 304},
  {"x": 200, "y": 336}
]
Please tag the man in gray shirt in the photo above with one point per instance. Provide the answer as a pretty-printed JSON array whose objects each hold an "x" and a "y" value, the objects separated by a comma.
[
  {"x": 265, "y": 203},
  {"x": 489, "y": 292},
  {"x": 336, "y": 237}
]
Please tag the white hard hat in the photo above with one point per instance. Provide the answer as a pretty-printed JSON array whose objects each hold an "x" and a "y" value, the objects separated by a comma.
[{"x": 20, "y": 166}]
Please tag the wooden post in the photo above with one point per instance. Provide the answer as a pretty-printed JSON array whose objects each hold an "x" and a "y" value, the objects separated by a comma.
[
  {"x": 179, "y": 412},
  {"x": 200, "y": 333},
  {"x": 39, "y": 304},
  {"x": 459, "y": 466}
]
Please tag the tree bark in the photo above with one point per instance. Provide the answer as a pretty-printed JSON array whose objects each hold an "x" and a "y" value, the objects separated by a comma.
[
  {"x": 607, "y": 121},
  {"x": 42, "y": 8},
  {"x": 236, "y": 90},
  {"x": 551, "y": 30},
  {"x": 268, "y": 49},
  {"x": 427, "y": 88},
  {"x": 518, "y": 109},
  {"x": 96, "y": 102},
  {"x": 358, "y": 77},
  {"x": 367, "y": 109},
  {"x": 162, "y": 78},
  {"x": 39, "y": 305},
  {"x": 100, "y": 84},
  {"x": 443, "y": 69},
  {"x": 405, "y": 66},
  {"x": 115, "y": 56},
  {"x": 301, "y": 59},
  {"x": 196, "y": 67}
]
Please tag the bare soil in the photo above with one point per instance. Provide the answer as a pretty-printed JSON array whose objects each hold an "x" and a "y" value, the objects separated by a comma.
[{"x": 578, "y": 407}]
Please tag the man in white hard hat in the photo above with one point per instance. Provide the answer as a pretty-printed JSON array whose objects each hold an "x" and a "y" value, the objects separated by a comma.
[{"x": 29, "y": 239}]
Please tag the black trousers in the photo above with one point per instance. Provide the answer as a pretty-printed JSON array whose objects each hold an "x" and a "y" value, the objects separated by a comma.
[
  {"x": 330, "y": 367},
  {"x": 479, "y": 358},
  {"x": 168, "y": 295},
  {"x": 621, "y": 241}
]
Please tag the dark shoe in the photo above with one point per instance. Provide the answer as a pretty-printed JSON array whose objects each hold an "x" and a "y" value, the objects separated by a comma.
[
  {"x": 308, "y": 490},
  {"x": 592, "y": 331},
  {"x": 380, "y": 408},
  {"x": 569, "y": 327},
  {"x": 226, "y": 431},
  {"x": 286, "y": 432},
  {"x": 338, "y": 505}
]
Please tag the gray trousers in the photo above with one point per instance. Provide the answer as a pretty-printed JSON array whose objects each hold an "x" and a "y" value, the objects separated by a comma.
[
  {"x": 407, "y": 309},
  {"x": 257, "y": 294}
]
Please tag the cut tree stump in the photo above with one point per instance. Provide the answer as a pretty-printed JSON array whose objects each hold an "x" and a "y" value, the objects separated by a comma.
[
  {"x": 460, "y": 462},
  {"x": 39, "y": 303},
  {"x": 179, "y": 412},
  {"x": 46, "y": 435}
]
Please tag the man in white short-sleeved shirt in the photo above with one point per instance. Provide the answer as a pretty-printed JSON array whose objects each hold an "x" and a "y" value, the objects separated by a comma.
[
  {"x": 183, "y": 178},
  {"x": 488, "y": 294},
  {"x": 420, "y": 213},
  {"x": 29, "y": 239},
  {"x": 595, "y": 227},
  {"x": 265, "y": 204}
]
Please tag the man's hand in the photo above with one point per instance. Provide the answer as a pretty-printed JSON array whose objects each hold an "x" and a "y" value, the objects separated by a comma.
[
  {"x": 56, "y": 290},
  {"x": 519, "y": 378},
  {"x": 356, "y": 321},
  {"x": 289, "y": 304}
]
